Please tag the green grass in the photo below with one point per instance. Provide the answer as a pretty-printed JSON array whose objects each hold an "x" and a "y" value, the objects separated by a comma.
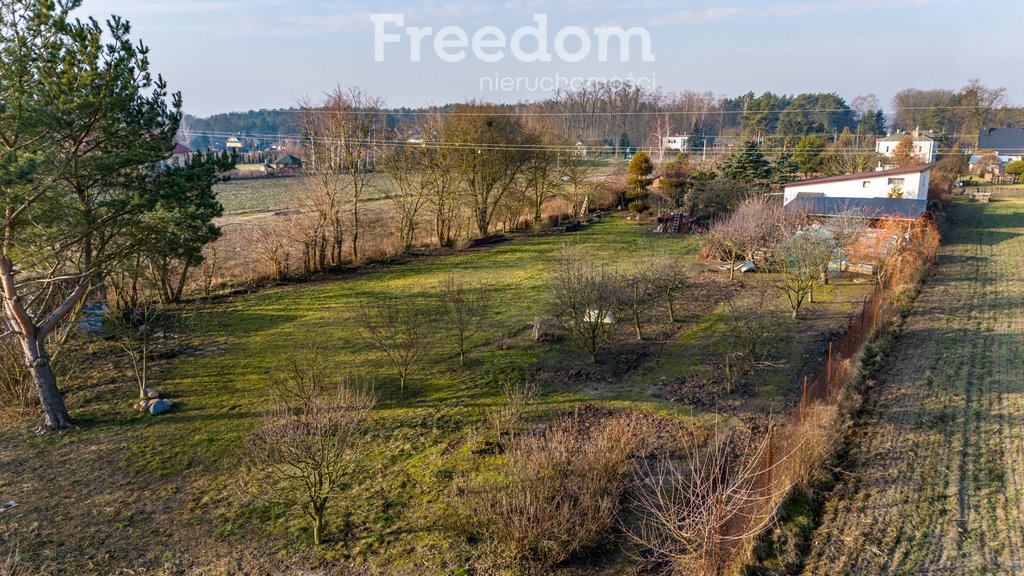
[
  {"x": 222, "y": 395},
  {"x": 396, "y": 510}
]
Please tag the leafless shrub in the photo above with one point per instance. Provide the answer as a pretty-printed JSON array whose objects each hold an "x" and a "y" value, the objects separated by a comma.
[
  {"x": 667, "y": 277},
  {"x": 268, "y": 243},
  {"x": 467, "y": 310},
  {"x": 584, "y": 300},
  {"x": 138, "y": 331},
  {"x": 518, "y": 397},
  {"x": 636, "y": 288},
  {"x": 302, "y": 453},
  {"x": 799, "y": 265},
  {"x": 749, "y": 328},
  {"x": 15, "y": 383},
  {"x": 696, "y": 512},
  {"x": 757, "y": 223},
  {"x": 403, "y": 330},
  {"x": 557, "y": 493}
]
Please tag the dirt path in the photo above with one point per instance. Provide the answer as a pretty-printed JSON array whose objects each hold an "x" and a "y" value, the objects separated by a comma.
[{"x": 937, "y": 461}]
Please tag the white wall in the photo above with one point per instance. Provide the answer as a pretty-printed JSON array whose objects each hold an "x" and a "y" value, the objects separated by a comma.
[
  {"x": 674, "y": 142},
  {"x": 924, "y": 149},
  {"x": 915, "y": 187}
]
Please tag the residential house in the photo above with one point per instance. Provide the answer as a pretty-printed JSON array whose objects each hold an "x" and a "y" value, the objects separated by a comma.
[
  {"x": 897, "y": 193},
  {"x": 285, "y": 164},
  {"x": 677, "y": 142},
  {"x": 908, "y": 183},
  {"x": 925, "y": 146},
  {"x": 1006, "y": 143}
]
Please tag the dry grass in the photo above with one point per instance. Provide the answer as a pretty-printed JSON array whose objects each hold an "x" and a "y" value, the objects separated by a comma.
[{"x": 936, "y": 463}]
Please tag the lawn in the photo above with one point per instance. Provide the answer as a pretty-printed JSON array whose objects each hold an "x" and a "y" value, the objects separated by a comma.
[{"x": 175, "y": 483}]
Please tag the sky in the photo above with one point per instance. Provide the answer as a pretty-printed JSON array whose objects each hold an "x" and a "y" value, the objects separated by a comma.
[{"x": 237, "y": 55}]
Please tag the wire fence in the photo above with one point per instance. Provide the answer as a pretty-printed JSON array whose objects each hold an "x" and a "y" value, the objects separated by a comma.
[{"x": 798, "y": 448}]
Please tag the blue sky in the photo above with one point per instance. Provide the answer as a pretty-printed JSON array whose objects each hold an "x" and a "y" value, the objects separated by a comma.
[{"x": 227, "y": 55}]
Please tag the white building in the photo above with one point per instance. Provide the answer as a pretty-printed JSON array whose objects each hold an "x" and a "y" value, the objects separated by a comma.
[
  {"x": 907, "y": 183},
  {"x": 925, "y": 147},
  {"x": 677, "y": 142}
]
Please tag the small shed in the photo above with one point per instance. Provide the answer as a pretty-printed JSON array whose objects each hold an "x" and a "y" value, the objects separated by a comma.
[{"x": 286, "y": 163}]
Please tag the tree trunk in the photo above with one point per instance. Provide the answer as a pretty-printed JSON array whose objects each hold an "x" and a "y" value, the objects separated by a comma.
[
  {"x": 318, "y": 526},
  {"x": 355, "y": 228},
  {"x": 38, "y": 362}
]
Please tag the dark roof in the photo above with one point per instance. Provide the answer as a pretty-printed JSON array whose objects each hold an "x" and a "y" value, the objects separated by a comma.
[
  {"x": 862, "y": 175},
  {"x": 287, "y": 160},
  {"x": 180, "y": 148},
  {"x": 1005, "y": 140},
  {"x": 899, "y": 208}
]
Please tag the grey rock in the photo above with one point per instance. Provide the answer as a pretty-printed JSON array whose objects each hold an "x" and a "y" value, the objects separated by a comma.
[{"x": 160, "y": 406}]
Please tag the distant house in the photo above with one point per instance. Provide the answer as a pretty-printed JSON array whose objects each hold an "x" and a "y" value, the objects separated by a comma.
[
  {"x": 1004, "y": 142},
  {"x": 925, "y": 146},
  {"x": 180, "y": 156},
  {"x": 907, "y": 183},
  {"x": 677, "y": 142},
  {"x": 286, "y": 163}
]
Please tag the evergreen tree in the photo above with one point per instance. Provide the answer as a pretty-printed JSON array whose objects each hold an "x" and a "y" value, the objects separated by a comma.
[
  {"x": 640, "y": 169},
  {"x": 784, "y": 169},
  {"x": 747, "y": 165},
  {"x": 695, "y": 143},
  {"x": 174, "y": 231},
  {"x": 82, "y": 109},
  {"x": 809, "y": 153}
]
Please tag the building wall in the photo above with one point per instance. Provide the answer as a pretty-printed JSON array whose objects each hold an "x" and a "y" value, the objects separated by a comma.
[
  {"x": 924, "y": 149},
  {"x": 915, "y": 187},
  {"x": 674, "y": 142}
]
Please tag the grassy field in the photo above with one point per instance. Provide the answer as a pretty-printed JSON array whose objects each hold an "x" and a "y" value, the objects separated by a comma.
[
  {"x": 936, "y": 464},
  {"x": 167, "y": 494}
]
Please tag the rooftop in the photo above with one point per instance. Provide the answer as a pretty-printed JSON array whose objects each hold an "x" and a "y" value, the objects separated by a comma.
[
  {"x": 871, "y": 208},
  {"x": 862, "y": 175},
  {"x": 1002, "y": 139}
]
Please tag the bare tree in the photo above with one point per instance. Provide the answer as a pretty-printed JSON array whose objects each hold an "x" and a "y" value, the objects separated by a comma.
[
  {"x": 577, "y": 169},
  {"x": 667, "y": 276},
  {"x": 405, "y": 190},
  {"x": 750, "y": 326},
  {"x": 753, "y": 225},
  {"x": 341, "y": 132},
  {"x": 637, "y": 288},
  {"x": 467, "y": 310},
  {"x": 695, "y": 510},
  {"x": 440, "y": 179},
  {"x": 488, "y": 146},
  {"x": 268, "y": 244},
  {"x": 799, "y": 265},
  {"x": 403, "y": 330},
  {"x": 584, "y": 300},
  {"x": 302, "y": 454},
  {"x": 138, "y": 330},
  {"x": 541, "y": 179}
]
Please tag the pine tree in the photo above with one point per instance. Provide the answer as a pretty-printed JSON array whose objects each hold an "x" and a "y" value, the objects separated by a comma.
[
  {"x": 748, "y": 165},
  {"x": 695, "y": 143}
]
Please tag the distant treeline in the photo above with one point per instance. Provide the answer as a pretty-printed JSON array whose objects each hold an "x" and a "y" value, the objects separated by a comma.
[{"x": 622, "y": 115}]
